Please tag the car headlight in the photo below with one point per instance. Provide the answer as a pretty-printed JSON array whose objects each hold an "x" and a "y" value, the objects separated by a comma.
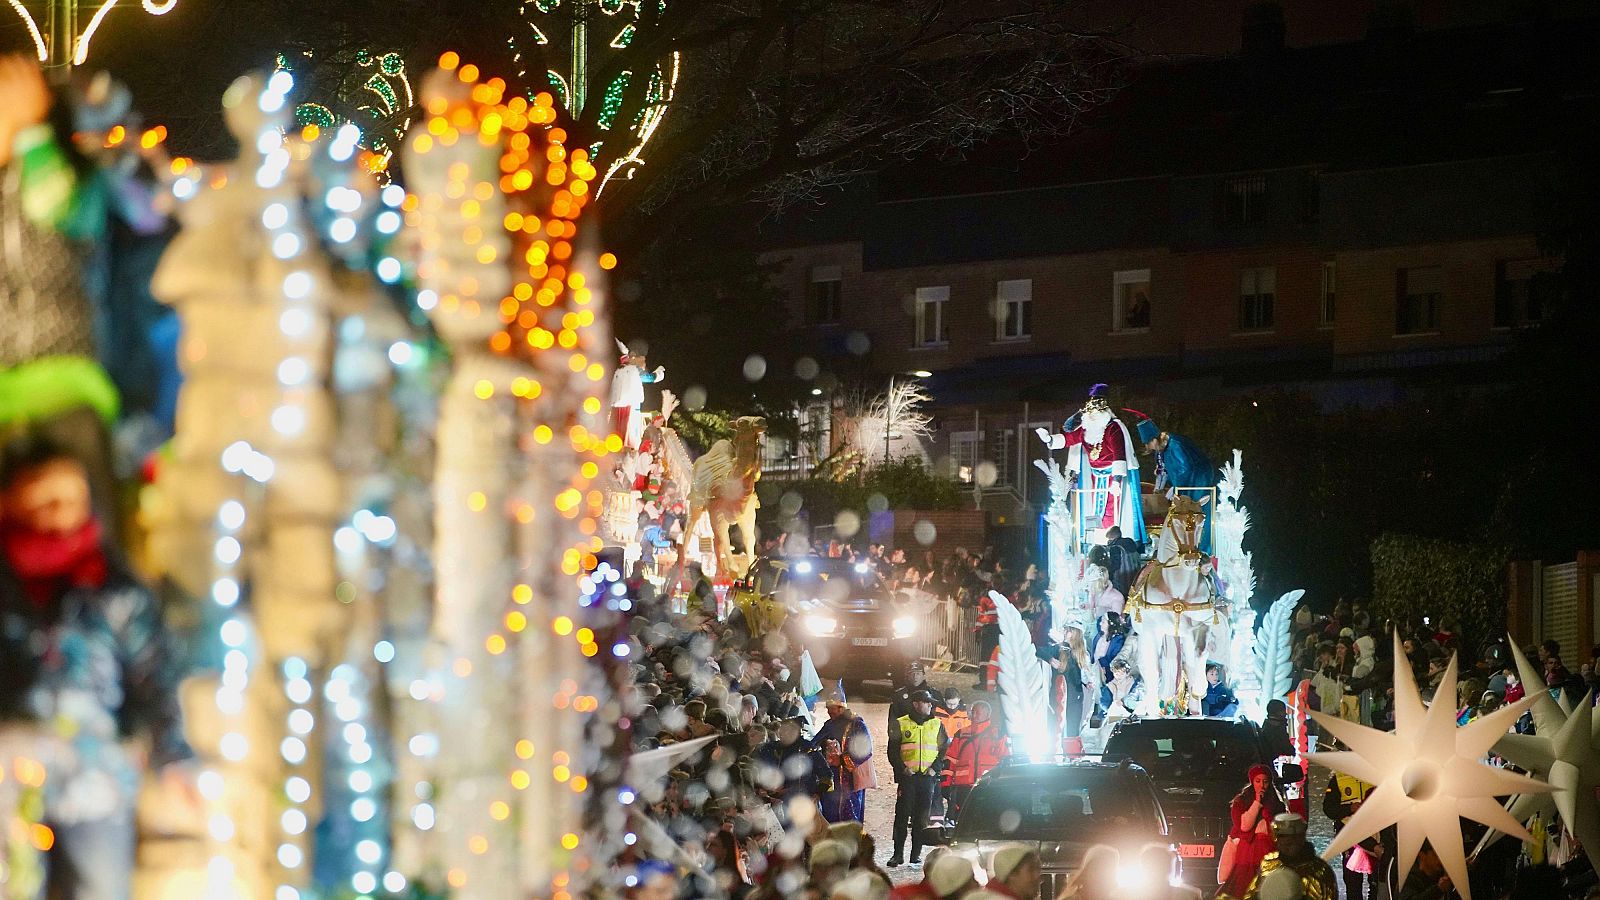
[
  {"x": 821, "y": 625},
  {"x": 1131, "y": 876},
  {"x": 904, "y": 626}
]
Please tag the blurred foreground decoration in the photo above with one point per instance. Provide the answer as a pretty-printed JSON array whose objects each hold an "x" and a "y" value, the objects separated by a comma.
[
  {"x": 511, "y": 282},
  {"x": 258, "y": 511}
]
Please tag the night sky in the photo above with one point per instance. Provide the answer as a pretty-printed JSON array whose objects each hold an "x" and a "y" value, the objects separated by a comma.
[{"x": 179, "y": 65}]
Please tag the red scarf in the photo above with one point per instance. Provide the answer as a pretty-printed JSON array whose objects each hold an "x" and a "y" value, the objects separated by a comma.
[{"x": 48, "y": 564}]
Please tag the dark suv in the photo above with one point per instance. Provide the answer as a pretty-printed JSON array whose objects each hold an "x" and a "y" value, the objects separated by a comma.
[
  {"x": 1198, "y": 765},
  {"x": 842, "y": 612},
  {"x": 1064, "y": 808}
]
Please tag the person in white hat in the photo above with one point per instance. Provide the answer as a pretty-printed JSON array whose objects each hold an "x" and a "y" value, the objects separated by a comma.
[
  {"x": 950, "y": 876},
  {"x": 830, "y": 861},
  {"x": 1015, "y": 872}
]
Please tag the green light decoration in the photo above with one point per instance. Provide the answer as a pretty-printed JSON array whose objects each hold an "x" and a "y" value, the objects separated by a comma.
[
  {"x": 585, "y": 50},
  {"x": 559, "y": 86},
  {"x": 611, "y": 103},
  {"x": 370, "y": 91}
]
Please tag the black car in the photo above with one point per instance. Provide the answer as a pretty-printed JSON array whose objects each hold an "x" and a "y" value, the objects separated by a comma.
[
  {"x": 1065, "y": 807},
  {"x": 1198, "y": 765},
  {"x": 844, "y": 613}
]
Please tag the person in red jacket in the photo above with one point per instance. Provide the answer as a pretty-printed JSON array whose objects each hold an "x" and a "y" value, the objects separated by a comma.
[{"x": 977, "y": 749}]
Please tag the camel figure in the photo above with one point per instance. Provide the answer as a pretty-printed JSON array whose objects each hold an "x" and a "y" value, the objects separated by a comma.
[
  {"x": 1178, "y": 615},
  {"x": 723, "y": 486}
]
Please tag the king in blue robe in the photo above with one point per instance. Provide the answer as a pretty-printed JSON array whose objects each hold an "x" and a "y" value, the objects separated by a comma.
[{"x": 1182, "y": 468}]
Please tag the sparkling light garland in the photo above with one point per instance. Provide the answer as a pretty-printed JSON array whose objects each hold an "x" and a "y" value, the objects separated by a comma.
[{"x": 550, "y": 343}]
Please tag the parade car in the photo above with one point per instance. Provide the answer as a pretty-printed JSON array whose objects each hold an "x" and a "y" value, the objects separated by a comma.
[
  {"x": 1065, "y": 807},
  {"x": 1197, "y": 765},
  {"x": 843, "y": 613}
]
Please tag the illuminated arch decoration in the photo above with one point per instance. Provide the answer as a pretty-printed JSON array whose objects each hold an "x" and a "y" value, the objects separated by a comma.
[
  {"x": 80, "y": 44},
  {"x": 497, "y": 205},
  {"x": 371, "y": 91},
  {"x": 589, "y": 29}
]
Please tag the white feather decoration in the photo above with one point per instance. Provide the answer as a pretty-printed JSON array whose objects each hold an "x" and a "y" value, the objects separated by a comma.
[
  {"x": 1275, "y": 647},
  {"x": 1062, "y": 562},
  {"x": 1024, "y": 682}
]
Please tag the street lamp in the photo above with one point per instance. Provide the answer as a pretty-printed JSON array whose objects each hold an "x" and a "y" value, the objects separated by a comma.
[{"x": 887, "y": 398}]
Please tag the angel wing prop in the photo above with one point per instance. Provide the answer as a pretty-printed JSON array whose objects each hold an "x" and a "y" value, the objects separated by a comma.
[
  {"x": 1024, "y": 682},
  {"x": 1274, "y": 646},
  {"x": 652, "y": 765}
]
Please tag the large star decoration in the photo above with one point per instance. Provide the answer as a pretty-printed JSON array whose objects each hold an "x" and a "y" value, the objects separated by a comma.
[
  {"x": 1427, "y": 774},
  {"x": 1565, "y": 751}
]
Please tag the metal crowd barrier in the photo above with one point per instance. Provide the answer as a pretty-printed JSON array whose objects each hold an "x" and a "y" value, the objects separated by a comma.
[{"x": 945, "y": 633}]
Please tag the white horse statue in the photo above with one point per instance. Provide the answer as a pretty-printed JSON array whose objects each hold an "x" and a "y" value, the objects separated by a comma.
[{"x": 1179, "y": 617}]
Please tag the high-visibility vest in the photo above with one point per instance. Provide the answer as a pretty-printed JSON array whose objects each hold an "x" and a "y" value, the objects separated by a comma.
[
  {"x": 919, "y": 744},
  {"x": 955, "y": 720},
  {"x": 1351, "y": 790}
]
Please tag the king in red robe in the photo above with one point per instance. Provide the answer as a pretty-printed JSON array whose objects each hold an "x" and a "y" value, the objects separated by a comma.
[{"x": 1104, "y": 466}]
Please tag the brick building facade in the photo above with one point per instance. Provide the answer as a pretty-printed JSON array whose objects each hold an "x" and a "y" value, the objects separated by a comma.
[{"x": 1332, "y": 220}]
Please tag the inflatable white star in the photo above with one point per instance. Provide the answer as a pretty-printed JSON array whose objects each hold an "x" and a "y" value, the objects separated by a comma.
[
  {"x": 1564, "y": 750},
  {"x": 1427, "y": 774}
]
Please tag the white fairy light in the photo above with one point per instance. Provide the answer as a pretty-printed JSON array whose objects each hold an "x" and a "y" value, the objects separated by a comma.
[
  {"x": 288, "y": 421},
  {"x": 275, "y": 216}
]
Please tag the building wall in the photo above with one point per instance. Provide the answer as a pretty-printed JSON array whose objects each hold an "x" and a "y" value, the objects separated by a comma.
[
  {"x": 1211, "y": 298},
  {"x": 1369, "y": 279},
  {"x": 1195, "y": 289}
]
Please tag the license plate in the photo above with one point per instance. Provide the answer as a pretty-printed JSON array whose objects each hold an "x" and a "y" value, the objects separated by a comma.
[
  {"x": 869, "y": 642},
  {"x": 1197, "y": 851}
]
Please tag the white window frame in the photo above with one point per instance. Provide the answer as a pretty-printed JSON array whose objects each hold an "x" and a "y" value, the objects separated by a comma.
[
  {"x": 1257, "y": 282},
  {"x": 1012, "y": 298},
  {"x": 972, "y": 441},
  {"x": 934, "y": 298},
  {"x": 1328, "y": 300},
  {"x": 1004, "y": 459},
  {"x": 1120, "y": 283}
]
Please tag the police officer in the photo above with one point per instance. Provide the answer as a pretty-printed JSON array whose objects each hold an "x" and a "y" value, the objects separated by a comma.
[
  {"x": 900, "y": 702},
  {"x": 917, "y": 754}
]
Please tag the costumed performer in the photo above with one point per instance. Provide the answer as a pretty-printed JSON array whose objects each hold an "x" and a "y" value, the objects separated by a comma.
[
  {"x": 627, "y": 395},
  {"x": 1250, "y": 839},
  {"x": 1295, "y": 856},
  {"x": 1182, "y": 468},
  {"x": 1103, "y": 467}
]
